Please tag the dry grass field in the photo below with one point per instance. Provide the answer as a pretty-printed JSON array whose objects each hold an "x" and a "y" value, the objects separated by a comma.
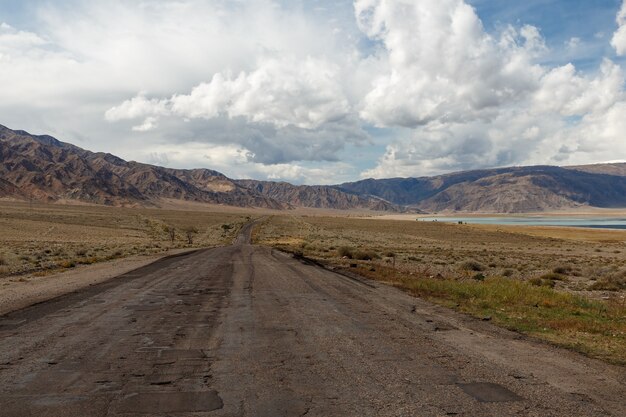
[
  {"x": 41, "y": 239},
  {"x": 562, "y": 285},
  {"x": 568, "y": 289}
]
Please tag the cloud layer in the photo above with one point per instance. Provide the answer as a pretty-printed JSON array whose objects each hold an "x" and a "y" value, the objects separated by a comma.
[{"x": 283, "y": 91}]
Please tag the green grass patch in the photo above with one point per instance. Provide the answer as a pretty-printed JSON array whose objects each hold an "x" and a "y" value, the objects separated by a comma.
[{"x": 593, "y": 327}]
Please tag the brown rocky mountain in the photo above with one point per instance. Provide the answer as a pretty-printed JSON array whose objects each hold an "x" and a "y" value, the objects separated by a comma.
[
  {"x": 318, "y": 196},
  {"x": 504, "y": 190},
  {"x": 618, "y": 169},
  {"x": 46, "y": 169},
  {"x": 43, "y": 168},
  {"x": 9, "y": 190}
]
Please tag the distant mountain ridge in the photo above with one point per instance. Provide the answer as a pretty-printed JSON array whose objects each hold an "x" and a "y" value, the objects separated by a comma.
[
  {"x": 505, "y": 190},
  {"x": 317, "y": 196},
  {"x": 46, "y": 169}
]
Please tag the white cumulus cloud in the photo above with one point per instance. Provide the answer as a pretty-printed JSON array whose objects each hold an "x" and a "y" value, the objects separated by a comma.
[
  {"x": 305, "y": 93},
  {"x": 301, "y": 92},
  {"x": 460, "y": 98},
  {"x": 442, "y": 65},
  {"x": 619, "y": 38}
]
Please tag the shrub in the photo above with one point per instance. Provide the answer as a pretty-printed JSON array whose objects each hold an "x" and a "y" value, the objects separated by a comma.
[
  {"x": 67, "y": 264},
  {"x": 479, "y": 277},
  {"x": 614, "y": 282},
  {"x": 345, "y": 251},
  {"x": 553, "y": 276},
  {"x": 562, "y": 269},
  {"x": 3, "y": 261},
  {"x": 472, "y": 266},
  {"x": 539, "y": 282},
  {"x": 365, "y": 255}
]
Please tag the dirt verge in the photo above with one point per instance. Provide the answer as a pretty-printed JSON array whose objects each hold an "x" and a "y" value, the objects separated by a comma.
[{"x": 18, "y": 292}]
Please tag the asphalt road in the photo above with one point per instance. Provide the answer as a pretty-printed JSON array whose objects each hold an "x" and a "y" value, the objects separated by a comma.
[{"x": 248, "y": 331}]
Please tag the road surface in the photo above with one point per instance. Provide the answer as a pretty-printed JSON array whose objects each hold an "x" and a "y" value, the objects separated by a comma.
[{"x": 248, "y": 331}]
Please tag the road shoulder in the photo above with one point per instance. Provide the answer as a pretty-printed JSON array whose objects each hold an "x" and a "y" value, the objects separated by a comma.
[{"x": 18, "y": 292}]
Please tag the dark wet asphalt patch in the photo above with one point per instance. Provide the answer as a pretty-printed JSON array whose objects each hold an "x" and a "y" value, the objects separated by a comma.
[{"x": 488, "y": 392}]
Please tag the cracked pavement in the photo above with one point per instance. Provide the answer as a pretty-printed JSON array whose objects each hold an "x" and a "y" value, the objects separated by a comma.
[{"x": 248, "y": 331}]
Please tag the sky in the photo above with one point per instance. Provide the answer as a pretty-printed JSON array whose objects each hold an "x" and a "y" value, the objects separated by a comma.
[{"x": 321, "y": 91}]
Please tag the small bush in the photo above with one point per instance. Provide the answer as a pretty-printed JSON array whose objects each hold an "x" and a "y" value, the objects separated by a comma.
[
  {"x": 3, "y": 261},
  {"x": 472, "y": 266},
  {"x": 479, "y": 277},
  {"x": 553, "y": 276},
  {"x": 346, "y": 252},
  {"x": 88, "y": 261},
  {"x": 508, "y": 273},
  {"x": 539, "y": 282},
  {"x": 562, "y": 269},
  {"x": 67, "y": 264},
  {"x": 365, "y": 255},
  {"x": 614, "y": 282}
]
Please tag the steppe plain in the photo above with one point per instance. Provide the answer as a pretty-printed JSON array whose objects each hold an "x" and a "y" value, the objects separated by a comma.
[{"x": 563, "y": 285}]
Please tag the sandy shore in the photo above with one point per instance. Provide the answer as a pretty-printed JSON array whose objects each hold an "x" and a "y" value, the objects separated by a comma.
[{"x": 22, "y": 291}]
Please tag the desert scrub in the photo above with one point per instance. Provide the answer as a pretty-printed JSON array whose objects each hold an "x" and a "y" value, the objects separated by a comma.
[
  {"x": 553, "y": 276},
  {"x": 594, "y": 327},
  {"x": 67, "y": 264},
  {"x": 472, "y": 266},
  {"x": 366, "y": 255},
  {"x": 445, "y": 264},
  {"x": 542, "y": 282},
  {"x": 562, "y": 270},
  {"x": 615, "y": 282},
  {"x": 345, "y": 252}
]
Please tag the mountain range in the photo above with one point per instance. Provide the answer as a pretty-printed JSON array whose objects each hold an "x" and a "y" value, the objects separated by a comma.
[{"x": 43, "y": 168}]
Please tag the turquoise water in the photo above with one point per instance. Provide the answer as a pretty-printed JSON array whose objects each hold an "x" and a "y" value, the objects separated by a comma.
[{"x": 593, "y": 222}]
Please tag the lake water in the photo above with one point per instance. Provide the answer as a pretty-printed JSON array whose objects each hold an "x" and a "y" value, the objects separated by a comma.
[{"x": 593, "y": 222}]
